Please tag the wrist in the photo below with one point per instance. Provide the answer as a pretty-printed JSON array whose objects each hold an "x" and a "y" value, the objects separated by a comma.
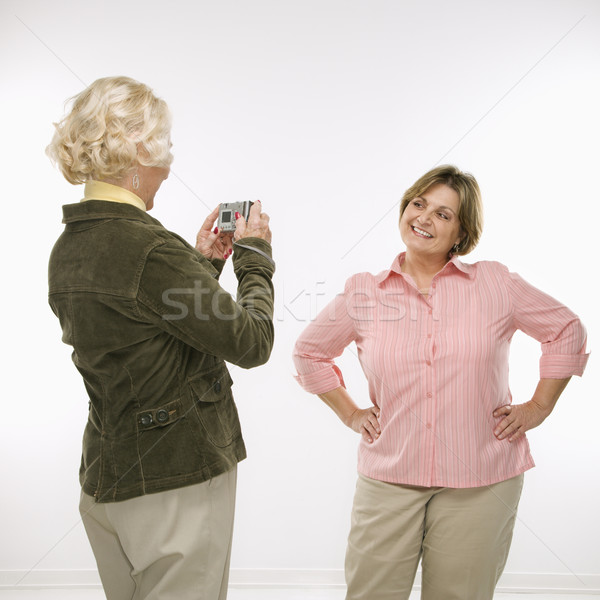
[
  {"x": 348, "y": 419},
  {"x": 540, "y": 407}
]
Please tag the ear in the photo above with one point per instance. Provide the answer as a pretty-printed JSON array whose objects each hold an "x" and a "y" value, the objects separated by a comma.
[{"x": 462, "y": 234}]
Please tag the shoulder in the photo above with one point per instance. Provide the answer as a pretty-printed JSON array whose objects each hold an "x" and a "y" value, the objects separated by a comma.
[
  {"x": 487, "y": 268},
  {"x": 156, "y": 250},
  {"x": 361, "y": 282},
  {"x": 144, "y": 237},
  {"x": 149, "y": 232}
]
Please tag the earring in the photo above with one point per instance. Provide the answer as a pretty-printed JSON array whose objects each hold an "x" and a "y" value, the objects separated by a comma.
[
  {"x": 135, "y": 182},
  {"x": 455, "y": 249}
]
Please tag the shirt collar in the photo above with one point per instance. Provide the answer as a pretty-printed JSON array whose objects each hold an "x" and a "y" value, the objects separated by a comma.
[
  {"x": 100, "y": 190},
  {"x": 396, "y": 268}
]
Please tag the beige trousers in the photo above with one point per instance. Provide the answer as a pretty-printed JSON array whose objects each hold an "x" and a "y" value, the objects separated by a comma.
[
  {"x": 462, "y": 537},
  {"x": 170, "y": 545}
]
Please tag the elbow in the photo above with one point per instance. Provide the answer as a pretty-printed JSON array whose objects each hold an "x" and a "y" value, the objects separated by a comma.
[
  {"x": 299, "y": 353},
  {"x": 260, "y": 350}
]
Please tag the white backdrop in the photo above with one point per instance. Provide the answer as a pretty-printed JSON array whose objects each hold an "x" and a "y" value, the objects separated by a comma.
[{"x": 326, "y": 110}]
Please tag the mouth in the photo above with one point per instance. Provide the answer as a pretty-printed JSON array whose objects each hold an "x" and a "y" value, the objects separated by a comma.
[{"x": 421, "y": 232}]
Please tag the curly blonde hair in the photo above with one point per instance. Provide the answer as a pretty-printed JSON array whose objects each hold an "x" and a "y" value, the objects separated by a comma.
[
  {"x": 114, "y": 124},
  {"x": 470, "y": 208}
]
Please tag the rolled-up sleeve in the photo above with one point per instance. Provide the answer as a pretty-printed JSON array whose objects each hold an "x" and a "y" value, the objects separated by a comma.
[
  {"x": 319, "y": 344},
  {"x": 558, "y": 329}
]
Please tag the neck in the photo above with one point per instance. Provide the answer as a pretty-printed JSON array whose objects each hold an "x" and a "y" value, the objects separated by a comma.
[
  {"x": 423, "y": 266},
  {"x": 127, "y": 184}
]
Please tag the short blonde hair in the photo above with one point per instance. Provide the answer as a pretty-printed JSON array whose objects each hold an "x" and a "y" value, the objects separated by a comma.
[
  {"x": 470, "y": 208},
  {"x": 113, "y": 124}
]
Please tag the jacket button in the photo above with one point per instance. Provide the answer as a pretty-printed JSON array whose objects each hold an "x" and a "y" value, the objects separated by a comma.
[
  {"x": 162, "y": 416},
  {"x": 217, "y": 386},
  {"x": 146, "y": 420}
]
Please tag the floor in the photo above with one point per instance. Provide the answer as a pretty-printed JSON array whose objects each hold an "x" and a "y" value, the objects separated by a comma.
[{"x": 256, "y": 594}]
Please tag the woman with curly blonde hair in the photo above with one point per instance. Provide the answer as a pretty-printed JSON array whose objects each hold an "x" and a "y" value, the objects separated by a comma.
[{"x": 151, "y": 330}]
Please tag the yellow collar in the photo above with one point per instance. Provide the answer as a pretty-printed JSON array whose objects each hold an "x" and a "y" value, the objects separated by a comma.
[{"x": 100, "y": 190}]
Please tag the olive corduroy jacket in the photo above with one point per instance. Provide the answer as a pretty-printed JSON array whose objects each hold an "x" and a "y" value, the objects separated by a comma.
[{"x": 151, "y": 329}]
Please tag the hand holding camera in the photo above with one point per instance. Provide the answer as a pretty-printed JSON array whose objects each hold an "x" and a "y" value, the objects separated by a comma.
[
  {"x": 255, "y": 225},
  {"x": 236, "y": 220}
]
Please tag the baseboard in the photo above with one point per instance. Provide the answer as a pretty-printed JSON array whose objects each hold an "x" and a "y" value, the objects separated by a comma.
[{"x": 532, "y": 583}]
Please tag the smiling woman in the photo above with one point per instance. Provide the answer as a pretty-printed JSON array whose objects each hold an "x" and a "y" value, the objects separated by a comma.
[
  {"x": 443, "y": 450},
  {"x": 457, "y": 198},
  {"x": 440, "y": 215}
]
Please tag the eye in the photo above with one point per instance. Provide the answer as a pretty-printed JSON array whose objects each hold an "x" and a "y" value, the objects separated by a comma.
[
  {"x": 444, "y": 216},
  {"x": 417, "y": 203}
]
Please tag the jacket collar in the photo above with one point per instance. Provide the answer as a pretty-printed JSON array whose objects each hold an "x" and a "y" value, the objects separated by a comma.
[
  {"x": 452, "y": 265},
  {"x": 104, "y": 209}
]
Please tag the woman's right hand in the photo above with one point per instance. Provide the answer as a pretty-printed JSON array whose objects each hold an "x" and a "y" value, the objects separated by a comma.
[
  {"x": 257, "y": 225},
  {"x": 366, "y": 422}
]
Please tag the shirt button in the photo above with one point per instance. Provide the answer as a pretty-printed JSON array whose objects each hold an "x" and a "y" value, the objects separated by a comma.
[
  {"x": 429, "y": 394},
  {"x": 428, "y": 425},
  {"x": 162, "y": 416},
  {"x": 428, "y": 363},
  {"x": 430, "y": 311},
  {"x": 429, "y": 335}
]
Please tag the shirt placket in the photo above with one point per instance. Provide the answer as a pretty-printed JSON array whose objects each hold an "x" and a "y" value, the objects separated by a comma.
[
  {"x": 429, "y": 391},
  {"x": 425, "y": 306}
]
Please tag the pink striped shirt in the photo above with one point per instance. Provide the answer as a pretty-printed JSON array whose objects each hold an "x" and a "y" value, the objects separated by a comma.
[{"x": 437, "y": 367}]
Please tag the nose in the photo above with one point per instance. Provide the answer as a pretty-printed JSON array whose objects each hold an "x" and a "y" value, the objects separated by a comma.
[{"x": 424, "y": 217}]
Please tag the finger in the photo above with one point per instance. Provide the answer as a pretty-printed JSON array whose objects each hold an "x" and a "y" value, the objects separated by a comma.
[
  {"x": 205, "y": 241},
  {"x": 209, "y": 222},
  {"x": 366, "y": 435},
  {"x": 518, "y": 434},
  {"x": 502, "y": 410},
  {"x": 255, "y": 209},
  {"x": 375, "y": 411},
  {"x": 228, "y": 244},
  {"x": 370, "y": 429},
  {"x": 256, "y": 216},
  {"x": 508, "y": 429},
  {"x": 375, "y": 423},
  {"x": 500, "y": 427},
  {"x": 240, "y": 226}
]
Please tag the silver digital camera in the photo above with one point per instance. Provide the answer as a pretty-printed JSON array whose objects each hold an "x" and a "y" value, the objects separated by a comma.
[{"x": 227, "y": 212}]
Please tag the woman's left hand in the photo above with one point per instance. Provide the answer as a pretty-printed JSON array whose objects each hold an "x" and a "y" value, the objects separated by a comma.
[
  {"x": 211, "y": 242},
  {"x": 518, "y": 418}
]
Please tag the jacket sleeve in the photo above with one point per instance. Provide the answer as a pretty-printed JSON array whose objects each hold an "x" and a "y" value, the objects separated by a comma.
[
  {"x": 179, "y": 293},
  {"x": 560, "y": 332},
  {"x": 323, "y": 340}
]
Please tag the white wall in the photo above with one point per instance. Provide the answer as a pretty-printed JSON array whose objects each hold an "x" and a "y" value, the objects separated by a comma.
[{"x": 327, "y": 110}]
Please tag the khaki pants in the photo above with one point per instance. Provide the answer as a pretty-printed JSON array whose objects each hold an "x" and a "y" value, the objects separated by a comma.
[
  {"x": 462, "y": 537},
  {"x": 170, "y": 545}
]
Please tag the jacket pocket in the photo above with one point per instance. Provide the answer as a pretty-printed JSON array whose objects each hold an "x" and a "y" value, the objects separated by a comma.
[
  {"x": 166, "y": 444},
  {"x": 216, "y": 410}
]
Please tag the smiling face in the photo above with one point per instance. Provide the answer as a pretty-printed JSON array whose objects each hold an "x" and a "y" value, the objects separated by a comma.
[{"x": 429, "y": 225}]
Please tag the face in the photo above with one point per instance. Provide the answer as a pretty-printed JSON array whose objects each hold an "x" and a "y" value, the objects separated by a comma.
[
  {"x": 429, "y": 225},
  {"x": 150, "y": 180}
]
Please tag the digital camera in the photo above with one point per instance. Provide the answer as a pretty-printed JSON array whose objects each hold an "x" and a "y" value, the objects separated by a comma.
[{"x": 227, "y": 212}]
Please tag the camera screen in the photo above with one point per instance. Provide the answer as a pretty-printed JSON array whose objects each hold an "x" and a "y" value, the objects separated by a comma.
[{"x": 226, "y": 216}]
